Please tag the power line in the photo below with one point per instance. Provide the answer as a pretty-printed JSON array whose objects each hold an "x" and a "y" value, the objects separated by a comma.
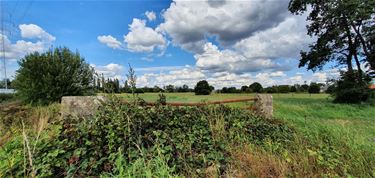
[
  {"x": 26, "y": 11},
  {"x": 3, "y": 43}
]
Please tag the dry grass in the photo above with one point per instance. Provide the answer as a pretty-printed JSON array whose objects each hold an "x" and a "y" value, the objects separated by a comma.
[{"x": 253, "y": 162}]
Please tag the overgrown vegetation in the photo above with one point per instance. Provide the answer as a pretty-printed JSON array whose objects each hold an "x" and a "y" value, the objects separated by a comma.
[
  {"x": 45, "y": 78},
  {"x": 185, "y": 140},
  {"x": 127, "y": 140},
  {"x": 6, "y": 97}
]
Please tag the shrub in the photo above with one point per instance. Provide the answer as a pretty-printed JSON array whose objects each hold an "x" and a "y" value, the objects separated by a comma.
[
  {"x": 187, "y": 138},
  {"x": 350, "y": 90},
  {"x": 203, "y": 88},
  {"x": 45, "y": 78}
]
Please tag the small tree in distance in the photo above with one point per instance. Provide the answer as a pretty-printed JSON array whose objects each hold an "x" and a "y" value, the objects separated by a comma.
[
  {"x": 132, "y": 80},
  {"x": 203, "y": 88},
  {"x": 314, "y": 88},
  {"x": 256, "y": 87}
]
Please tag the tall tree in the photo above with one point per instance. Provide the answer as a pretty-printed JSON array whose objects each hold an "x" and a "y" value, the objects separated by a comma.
[
  {"x": 344, "y": 31},
  {"x": 44, "y": 78}
]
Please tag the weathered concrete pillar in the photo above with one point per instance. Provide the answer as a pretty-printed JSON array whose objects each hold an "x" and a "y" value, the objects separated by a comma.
[
  {"x": 80, "y": 106},
  {"x": 263, "y": 105}
]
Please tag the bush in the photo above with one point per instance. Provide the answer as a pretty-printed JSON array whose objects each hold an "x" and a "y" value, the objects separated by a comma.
[
  {"x": 6, "y": 97},
  {"x": 203, "y": 88},
  {"x": 350, "y": 90},
  {"x": 187, "y": 138},
  {"x": 45, "y": 78}
]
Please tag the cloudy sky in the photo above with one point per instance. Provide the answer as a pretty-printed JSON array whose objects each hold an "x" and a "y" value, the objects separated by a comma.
[{"x": 228, "y": 43}]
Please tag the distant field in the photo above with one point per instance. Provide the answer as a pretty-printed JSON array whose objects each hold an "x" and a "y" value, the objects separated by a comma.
[{"x": 308, "y": 113}]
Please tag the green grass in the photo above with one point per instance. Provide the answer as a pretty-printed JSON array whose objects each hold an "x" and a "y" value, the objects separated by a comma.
[{"x": 306, "y": 112}]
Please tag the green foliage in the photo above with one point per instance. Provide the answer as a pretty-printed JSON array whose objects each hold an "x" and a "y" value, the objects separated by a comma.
[
  {"x": 45, "y": 78},
  {"x": 112, "y": 86},
  {"x": 230, "y": 90},
  {"x": 8, "y": 82},
  {"x": 256, "y": 87},
  {"x": 187, "y": 138},
  {"x": 203, "y": 88},
  {"x": 162, "y": 99},
  {"x": 283, "y": 88},
  {"x": 351, "y": 90},
  {"x": 293, "y": 89},
  {"x": 6, "y": 97},
  {"x": 11, "y": 158},
  {"x": 343, "y": 30},
  {"x": 142, "y": 167},
  {"x": 314, "y": 88}
]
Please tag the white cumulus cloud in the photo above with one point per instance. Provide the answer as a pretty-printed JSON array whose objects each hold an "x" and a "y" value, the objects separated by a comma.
[
  {"x": 110, "y": 41},
  {"x": 150, "y": 15},
  {"x": 111, "y": 70},
  {"x": 34, "y": 31},
  {"x": 188, "y": 23},
  {"x": 142, "y": 38}
]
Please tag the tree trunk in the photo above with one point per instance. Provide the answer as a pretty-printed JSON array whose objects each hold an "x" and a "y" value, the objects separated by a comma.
[
  {"x": 355, "y": 53},
  {"x": 362, "y": 40},
  {"x": 351, "y": 47}
]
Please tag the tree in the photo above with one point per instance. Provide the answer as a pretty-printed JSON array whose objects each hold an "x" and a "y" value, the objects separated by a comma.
[
  {"x": 203, "y": 88},
  {"x": 245, "y": 89},
  {"x": 314, "y": 88},
  {"x": 304, "y": 87},
  {"x": 344, "y": 31},
  {"x": 169, "y": 88},
  {"x": 348, "y": 90},
  {"x": 9, "y": 83},
  {"x": 132, "y": 80},
  {"x": 293, "y": 89},
  {"x": 45, "y": 78},
  {"x": 256, "y": 87},
  {"x": 158, "y": 89},
  {"x": 283, "y": 89}
]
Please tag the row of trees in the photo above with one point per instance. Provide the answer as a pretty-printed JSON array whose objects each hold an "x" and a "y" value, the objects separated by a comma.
[
  {"x": 44, "y": 78},
  {"x": 113, "y": 86},
  {"x": 258, "y": 88}
]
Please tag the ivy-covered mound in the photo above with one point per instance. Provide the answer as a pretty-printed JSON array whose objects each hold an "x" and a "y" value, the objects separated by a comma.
[{"x": 190, "y": 139}]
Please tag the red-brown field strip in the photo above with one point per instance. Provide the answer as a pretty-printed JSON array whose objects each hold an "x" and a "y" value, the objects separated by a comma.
[{"x": 204, "y": 103}]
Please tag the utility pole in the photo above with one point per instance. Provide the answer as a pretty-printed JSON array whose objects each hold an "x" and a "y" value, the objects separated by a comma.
[{"x": 3, "y": 44}]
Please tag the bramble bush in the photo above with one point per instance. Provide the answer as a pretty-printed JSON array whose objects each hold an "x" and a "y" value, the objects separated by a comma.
[{"x": 189, "y": 139}]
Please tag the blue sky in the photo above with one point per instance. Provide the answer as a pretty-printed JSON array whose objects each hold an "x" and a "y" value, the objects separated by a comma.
[{"x": 227, "y": 43}]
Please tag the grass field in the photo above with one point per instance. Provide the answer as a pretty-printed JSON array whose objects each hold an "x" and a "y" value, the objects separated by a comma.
[{"x": 306, "y": 112}]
